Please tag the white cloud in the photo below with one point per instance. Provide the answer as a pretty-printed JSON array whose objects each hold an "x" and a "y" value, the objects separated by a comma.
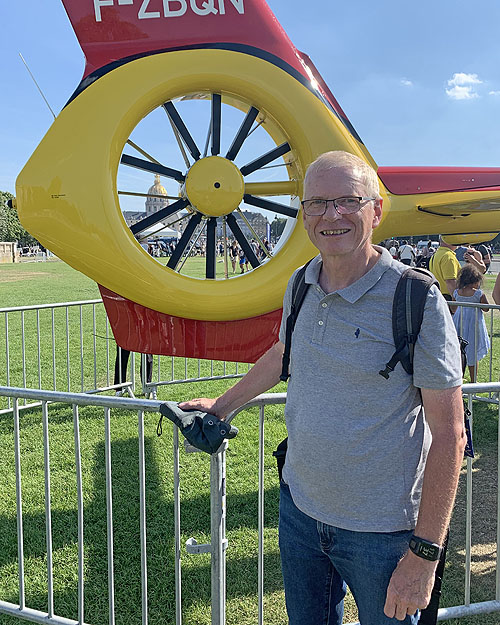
[
  {"x": 406, "y": 83},
  {"x": 494, "y": 93},
  {"x": 461, "y": 93},
  {"x": 462, "y": 86},
  {"x": 461, "y": 79}
]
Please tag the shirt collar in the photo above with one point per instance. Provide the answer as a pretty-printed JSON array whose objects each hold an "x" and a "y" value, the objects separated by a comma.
[{"x": 357, "y": 289}]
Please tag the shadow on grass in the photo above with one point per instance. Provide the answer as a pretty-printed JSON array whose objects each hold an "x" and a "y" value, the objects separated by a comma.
[{"x": 195, "y": 521}]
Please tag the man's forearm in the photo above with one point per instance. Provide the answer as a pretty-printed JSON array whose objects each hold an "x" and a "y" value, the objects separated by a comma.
[
  {"x": 262, "y": 376},
  {"x": 442, "y": 470},
  {"x": 411, "y": 583}
]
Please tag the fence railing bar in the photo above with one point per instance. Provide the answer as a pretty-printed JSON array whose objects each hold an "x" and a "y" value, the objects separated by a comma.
[
  {"x": 260, "y": 557},
  {"x": 142, "y": 500},
  {"x": 19, "y": 506},
  {"x": 177, "y": 529},
  {"x": 79, "y": 495},
  {"x": 67, "y": 351},
  {"x": 35, "y": 616},
  {"x": 94, "y": 338},
  {"x": 48, "y": 513},
  {"x": 143, "y": 373},
  {"x": 491, "y": 345},
  {"x": 468, "y": 516},
  {"x": 132, "y": 370},
  {"x": 119, "y": 357},
  {"x": 107, "y": 351},
  {"x": 55, "y": 305},
  {"x": 109, "y": 516},
  {"x": 82, "y": 385},
  {"x": 39, "y": 352},
  {"x": 459, "y": 611},
  {"x": 92, "y": 391},
  {"x": 7, "y": 358},
  {"x": 23, "y": 348},
  {"x": 82, "y": 399},
  {"x": 497, "y": 573},
  {"x": 53, "y": 351},
  {"x": 218, "y": 535},
  {"x": 203, "y": 379}
]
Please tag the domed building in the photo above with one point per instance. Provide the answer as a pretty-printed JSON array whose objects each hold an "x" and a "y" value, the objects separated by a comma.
[{"x": 155, "y": 202}]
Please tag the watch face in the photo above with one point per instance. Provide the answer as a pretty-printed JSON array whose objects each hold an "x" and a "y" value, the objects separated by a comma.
[
  {"x": 428, "y": 551},
  {"x": 425, "y": 549}
]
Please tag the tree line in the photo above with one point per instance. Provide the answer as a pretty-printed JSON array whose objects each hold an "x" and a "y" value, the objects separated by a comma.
[{"x": 10, "y": 226}]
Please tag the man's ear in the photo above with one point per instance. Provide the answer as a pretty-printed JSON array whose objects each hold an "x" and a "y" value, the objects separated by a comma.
[{"x": 377, "y": 212}]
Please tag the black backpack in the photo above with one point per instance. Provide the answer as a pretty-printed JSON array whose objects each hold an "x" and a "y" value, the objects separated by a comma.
[{"x": 407, "y": 313}]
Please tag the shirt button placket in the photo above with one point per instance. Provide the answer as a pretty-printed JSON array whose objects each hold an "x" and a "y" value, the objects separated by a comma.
[{"x": 320, "y": 326}]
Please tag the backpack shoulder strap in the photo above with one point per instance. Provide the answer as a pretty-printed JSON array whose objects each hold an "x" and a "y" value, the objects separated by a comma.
[
  {"x": 299, "y": 290},
  {"x": 407, "y": 314}
]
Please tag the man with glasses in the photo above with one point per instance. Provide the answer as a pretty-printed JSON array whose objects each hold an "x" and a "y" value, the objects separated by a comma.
[{"x": 366, "y": 497}]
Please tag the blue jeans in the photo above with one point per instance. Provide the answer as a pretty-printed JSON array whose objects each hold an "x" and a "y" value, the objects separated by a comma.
[{"x": 318, "y": 560}]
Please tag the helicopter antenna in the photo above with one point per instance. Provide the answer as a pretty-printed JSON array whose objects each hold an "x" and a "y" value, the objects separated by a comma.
[{"x": 38, "y": 87}]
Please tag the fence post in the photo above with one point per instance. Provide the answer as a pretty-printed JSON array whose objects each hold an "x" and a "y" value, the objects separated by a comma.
[{"x": 218, "y": 534}]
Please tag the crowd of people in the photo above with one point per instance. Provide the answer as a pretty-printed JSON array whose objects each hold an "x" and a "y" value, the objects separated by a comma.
[
  {"x": 420, "y": 255},
  {"x": 459, "y": 270},
  {"x": 236, "y": 255}
]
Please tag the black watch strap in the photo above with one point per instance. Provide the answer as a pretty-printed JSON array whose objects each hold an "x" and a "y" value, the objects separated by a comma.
[{"x": 425, "y": 549}]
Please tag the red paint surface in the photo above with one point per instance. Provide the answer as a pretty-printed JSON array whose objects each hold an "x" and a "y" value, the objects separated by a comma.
[
  {"x": 121, "y": 33},
  {"x": 415, "y": 180},
  {"x": 141, "y": 329}
]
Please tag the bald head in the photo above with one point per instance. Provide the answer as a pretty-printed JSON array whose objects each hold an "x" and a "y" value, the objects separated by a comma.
[{"x": 351, "y": 164}]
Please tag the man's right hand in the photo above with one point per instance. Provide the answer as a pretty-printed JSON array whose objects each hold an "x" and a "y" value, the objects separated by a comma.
[{"x": 202, "y": 403}]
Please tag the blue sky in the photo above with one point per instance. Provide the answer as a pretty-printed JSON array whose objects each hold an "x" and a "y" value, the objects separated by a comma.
[{"x": 419, "y": 81}]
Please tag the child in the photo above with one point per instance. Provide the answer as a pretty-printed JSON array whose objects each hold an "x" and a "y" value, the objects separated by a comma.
[{"x": 469, "y": 322}]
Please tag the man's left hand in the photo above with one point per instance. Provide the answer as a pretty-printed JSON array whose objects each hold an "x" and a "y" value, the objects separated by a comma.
[{"x": 410, "y": 586}]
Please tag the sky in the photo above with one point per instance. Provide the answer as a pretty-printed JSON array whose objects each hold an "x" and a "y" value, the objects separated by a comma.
[{"x": 420, "y": 81}]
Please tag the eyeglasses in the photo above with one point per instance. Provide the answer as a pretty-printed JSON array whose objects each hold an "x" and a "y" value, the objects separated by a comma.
[{"x": 343, "y": 205}]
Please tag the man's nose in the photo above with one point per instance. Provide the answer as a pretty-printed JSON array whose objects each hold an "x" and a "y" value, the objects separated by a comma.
[{"x": 331, "y": 212}]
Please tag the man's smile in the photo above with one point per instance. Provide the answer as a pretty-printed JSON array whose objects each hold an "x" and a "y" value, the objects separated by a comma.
[{"x": 329, "y": 233}]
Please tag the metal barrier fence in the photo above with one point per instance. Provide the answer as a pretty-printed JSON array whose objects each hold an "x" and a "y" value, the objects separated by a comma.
[
  {"x": 218, "y": 542},
  {"x": 69, "y": 347}
]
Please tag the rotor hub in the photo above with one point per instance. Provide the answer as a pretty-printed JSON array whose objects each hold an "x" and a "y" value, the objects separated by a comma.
[{"x": 214, "y": 186}]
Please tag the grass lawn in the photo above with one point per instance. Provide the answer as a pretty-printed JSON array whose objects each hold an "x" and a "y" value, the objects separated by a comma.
[{"x": 54, "y": 281}]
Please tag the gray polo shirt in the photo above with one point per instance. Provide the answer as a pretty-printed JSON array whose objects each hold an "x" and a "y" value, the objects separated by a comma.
[{"x": 357, "y": 443}]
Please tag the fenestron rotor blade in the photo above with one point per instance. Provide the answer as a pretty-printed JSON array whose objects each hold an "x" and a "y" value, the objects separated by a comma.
[
  {"x": 159, "y": 216},
  {"x": 265, "y": 159},
  {"x": 216, "y": 122},
  {"x": 242, "y": 240},
  {"x": 183, "y": 131},
  {"x": 154, "y": 168},
  {"x": 282, "y": 187},
  {"x": 184, "y": 240},
  {"x": 211, "y": 251},
  {"x": 275, "y": 207},
  {"x": 137, "y": 194},
  {"x": 242, "y": 133}
]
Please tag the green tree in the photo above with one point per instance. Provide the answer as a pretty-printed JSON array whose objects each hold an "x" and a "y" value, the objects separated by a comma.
[
  {"x": 10, "y": 226},
  {"x": 277, "y": 227}
]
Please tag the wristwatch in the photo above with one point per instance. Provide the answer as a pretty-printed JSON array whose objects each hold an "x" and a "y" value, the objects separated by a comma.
[{"x": 425, "y": 549}]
